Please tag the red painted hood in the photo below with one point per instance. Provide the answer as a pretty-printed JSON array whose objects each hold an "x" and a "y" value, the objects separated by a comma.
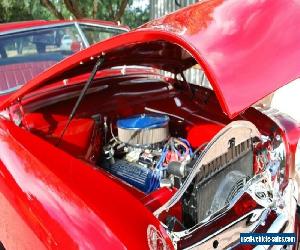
[{"x": 248, "y": 49}]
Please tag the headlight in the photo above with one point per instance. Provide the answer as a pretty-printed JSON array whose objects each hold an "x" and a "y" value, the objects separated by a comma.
[{"x": 155, "y": 240}]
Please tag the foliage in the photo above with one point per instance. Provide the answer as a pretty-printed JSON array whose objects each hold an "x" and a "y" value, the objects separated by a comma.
[
  {"x": 112, "y": 10},
  {"x": 18, "y": 10},
  {"x": 135, "y": 17}
]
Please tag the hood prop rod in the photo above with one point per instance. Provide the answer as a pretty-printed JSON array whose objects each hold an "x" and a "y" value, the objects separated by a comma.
[
  {"x": 81, "y": 96},
  {"x": 187, "y": 85}
]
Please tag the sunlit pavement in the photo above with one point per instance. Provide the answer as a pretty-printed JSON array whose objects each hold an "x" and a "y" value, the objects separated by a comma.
[{"x": 287, "y": 99}]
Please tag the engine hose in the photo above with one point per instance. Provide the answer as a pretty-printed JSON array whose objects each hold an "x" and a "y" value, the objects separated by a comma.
[
  {"x": 188, "y": 144},
  {"x": 187, "y": 150}
]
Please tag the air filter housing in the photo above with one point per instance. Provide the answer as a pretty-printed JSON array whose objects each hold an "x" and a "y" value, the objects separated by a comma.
[{"x": 143, "y": 130}]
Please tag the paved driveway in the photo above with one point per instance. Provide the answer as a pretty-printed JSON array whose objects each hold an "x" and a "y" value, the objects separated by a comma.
[{"x": 287, "y": 99}]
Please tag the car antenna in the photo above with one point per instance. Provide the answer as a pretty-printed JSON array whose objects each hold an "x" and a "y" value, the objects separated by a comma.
[{"x": 82, "y": 94}]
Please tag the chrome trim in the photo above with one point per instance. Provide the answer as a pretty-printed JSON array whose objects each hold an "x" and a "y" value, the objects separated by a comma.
[
  {"x": 104, "y": 26},
  {"x": 285, "y": 221},
  {"x": 278, "y": 224},
  {"x": 297, "y": 156},
  {"x": 240, "y": 130},
  {"x": 41, "y": 27},
  {"x": 46, "y": 26},
  {"x": 229, "y": 235},
  {"x": 82, "y": 35},
  {"x": 297, "y": 167},
  {"x": 4, "y": 114},
  {"x": 7, "y": 91},
  {"x": 252, "y": 187}
]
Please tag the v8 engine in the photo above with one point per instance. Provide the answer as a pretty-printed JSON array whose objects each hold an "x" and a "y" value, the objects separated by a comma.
[
  {"x": 143, "y": 150},
  {"x": 146, "y": 156}
]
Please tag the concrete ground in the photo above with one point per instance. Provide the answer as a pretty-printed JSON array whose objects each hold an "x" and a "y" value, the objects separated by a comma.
[{"x": 287, "y": 99}]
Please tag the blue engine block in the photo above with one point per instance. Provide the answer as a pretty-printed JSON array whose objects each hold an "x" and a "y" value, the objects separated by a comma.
[{"x": 138, "y": 176}]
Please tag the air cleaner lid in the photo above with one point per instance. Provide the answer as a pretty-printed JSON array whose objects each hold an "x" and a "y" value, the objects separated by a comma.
[{"x": 143, "y": 121}]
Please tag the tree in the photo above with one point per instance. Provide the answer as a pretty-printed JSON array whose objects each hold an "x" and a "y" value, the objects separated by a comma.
[
  {"x": 51, "y": 7},
  {"x": 21, "y": 10},
  {"x": 111, "y": 10},
  {"x": 136, "y": 16},
  {"x": 114, "y": 9}
]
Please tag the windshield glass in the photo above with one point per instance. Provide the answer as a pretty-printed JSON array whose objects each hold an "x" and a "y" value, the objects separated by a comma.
[
  {"x": 24, "y": 55},
  {"x": 96, "y": 34}
]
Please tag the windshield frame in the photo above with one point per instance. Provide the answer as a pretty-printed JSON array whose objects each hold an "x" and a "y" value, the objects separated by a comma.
[
  {"x": 82, "y": 23},
  {"x": 75, "y": 24}
]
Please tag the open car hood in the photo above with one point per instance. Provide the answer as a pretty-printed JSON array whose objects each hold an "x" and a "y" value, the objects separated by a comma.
[{"x": 248, "y": 49}]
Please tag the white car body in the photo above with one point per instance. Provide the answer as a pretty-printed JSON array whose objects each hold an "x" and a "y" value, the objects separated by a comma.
[{"x": 66, "y": 42}]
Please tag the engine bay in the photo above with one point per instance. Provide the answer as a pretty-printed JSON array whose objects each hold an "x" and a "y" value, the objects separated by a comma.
[
  {"x": 152, "y": 149},
  {"x": 144, "y": 154}
]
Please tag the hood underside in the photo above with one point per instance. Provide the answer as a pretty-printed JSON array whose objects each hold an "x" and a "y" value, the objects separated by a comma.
[{"x": 247, "y": 49}]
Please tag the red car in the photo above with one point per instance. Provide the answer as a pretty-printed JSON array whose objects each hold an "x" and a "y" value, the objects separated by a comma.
[
  {"x": 28, "y": 48},
  {"x": 102, "y": 152}
]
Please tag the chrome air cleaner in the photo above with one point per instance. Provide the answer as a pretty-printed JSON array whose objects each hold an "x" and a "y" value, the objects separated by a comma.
[{"x": 143, "y": 130}]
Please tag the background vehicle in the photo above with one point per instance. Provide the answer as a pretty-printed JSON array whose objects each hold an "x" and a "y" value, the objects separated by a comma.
[
  {"x": 96, "y": 153},
  {"x": 28, "y": 48},
  {"x": 66, "y": 42}
]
